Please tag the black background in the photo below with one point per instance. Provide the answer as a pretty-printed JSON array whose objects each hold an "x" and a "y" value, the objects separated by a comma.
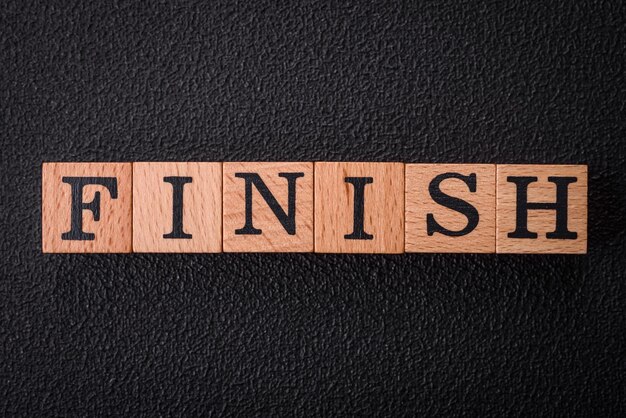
[{"x": 262, "y": 334}]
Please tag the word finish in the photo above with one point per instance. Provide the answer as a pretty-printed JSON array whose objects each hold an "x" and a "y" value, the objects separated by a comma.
[{"x": 325, "y": 207}]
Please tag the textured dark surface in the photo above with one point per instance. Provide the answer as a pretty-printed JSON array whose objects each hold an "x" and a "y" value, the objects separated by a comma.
[{"x": 534, "y": 82}]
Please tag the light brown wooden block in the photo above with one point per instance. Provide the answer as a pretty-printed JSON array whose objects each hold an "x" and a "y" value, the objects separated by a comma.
[
  {"x": 101, "y": 194},
  {"x": 435, "y": 223},
  {"x": 571, "y": 236},
  {"x": 337, "y": 207},
  {"x": 160, "y": 224},
  {"x": 291, "y": 230}
]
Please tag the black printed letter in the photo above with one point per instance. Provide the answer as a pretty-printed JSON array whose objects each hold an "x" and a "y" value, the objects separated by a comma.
[
  {"x": 287, "y": 220},
  {"x": 560, "y": 206},
  {"x": 78, "y": 183},
  {"x": 453, "y": 203},
  {"x": 178, "y": 185},
  {"x": 359, "y": 207}
]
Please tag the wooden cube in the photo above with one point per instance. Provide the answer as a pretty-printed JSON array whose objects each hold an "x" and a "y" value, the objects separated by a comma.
[
  {"x": 86, "y": 207},
  {"x": 541, "y": 209},
  {"x": 359, "y": 207},
  {"x": 177, "y": 207},
  {"x": 450, "y": 208},
  {"x": 268, "y": 207}
]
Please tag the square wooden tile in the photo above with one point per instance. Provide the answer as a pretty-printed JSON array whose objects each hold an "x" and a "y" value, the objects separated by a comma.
[
  {"x": 450, "y": 208},
  {"x": 268, "y": 222},
  {"x": 541, "y": 228},
  {"x": 86, "y": 207},
  {"x": 177, "y": 207},
  {"x": 359, "y": 207}
]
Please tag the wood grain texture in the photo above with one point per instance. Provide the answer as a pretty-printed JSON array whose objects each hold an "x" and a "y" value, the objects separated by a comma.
[
  {"x": 419, "y": 203},
  {"x": 541, "y": 221},
  {"x": 113, "y": 231},
  {"x": 274, "y": 237},
  {"x": 153, "y": 207},
  {"x": 383, "y": 207}
]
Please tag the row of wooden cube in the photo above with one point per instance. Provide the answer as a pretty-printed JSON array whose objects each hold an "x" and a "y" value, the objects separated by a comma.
[{"x": 326, "y": 207}]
